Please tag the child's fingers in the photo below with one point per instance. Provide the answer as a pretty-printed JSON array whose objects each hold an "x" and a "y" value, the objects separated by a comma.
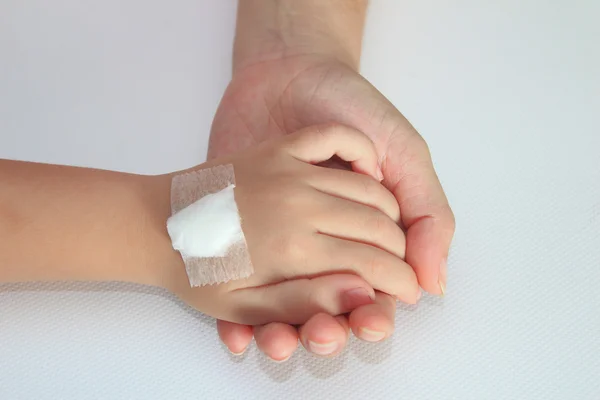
[
  {"x": 355, "y": 187},
  {"x": 346, "y": 219},
  {"x": 320, "y": 143},
  {"x": 295, "y": 301},
  {"x": 382, "y": 270}
]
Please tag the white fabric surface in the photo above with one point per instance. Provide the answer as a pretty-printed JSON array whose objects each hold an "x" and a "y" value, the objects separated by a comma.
[{"x": 507, "y": 93}]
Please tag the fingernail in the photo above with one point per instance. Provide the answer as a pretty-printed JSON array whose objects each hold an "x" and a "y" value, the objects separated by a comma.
[
  {"x": 356, "y": 297},
  {"x": 238, "y": 354},
  {"x": 322, "y": 349},
  {"x": 442, "y": 276},
  {"x": 370, "y": 335},
  {"x": 282, "y": 360},
  {"x": 379, "y": 173}
]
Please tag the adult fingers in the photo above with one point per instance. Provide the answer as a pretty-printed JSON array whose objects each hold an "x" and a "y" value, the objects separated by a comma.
[
  {"x": 325, "y": 335},
  {"x": 425, "y": 212},
  {"x": 348, "y": 220},
  {"x": 382, "y": 270},
  {"x": 374, "y": 322},
  {"x": 356, "y": 187},
  {"x": 236, "y": 337},
  {"x": 276, "y": 340},
  {"x": 322, "y": 335},
  {"x": 295, "y": 301},
  {"x": 320, "y": 143}
]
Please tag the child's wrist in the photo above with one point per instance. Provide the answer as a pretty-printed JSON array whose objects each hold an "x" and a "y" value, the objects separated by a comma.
[{"x": 163, "y": 265}]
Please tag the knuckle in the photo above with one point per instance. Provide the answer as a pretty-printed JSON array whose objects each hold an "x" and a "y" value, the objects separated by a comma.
[
  {"x": 420, "y": 144},
  {"x": 449, "y": 218},
  {"x": 409, "y": 140}
]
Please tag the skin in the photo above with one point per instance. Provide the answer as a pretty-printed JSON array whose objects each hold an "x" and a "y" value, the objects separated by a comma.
[
  {"x": 305, "y": 267},
  {"x": 295, "y": 65}
]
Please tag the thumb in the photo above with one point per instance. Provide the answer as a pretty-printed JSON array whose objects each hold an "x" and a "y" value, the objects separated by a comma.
[
  {"x": 295, "y": 301},
  {"x": 424, "y": 209},
  {"x": 320, "y": 143}
]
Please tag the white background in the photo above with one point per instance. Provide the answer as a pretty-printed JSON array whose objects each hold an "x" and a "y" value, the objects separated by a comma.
[{"x": 507, "y": 93}]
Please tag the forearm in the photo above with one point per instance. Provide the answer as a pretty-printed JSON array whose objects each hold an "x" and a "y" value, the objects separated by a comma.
[
  {"x": 67, "y": 223},
  {"x": 269, "y": 29}
]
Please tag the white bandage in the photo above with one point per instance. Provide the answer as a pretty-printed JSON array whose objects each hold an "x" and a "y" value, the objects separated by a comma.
[{"x": 205, "y": 226}]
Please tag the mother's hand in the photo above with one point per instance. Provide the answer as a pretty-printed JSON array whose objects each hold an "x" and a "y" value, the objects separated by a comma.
[{"x": 280, "y": 96}]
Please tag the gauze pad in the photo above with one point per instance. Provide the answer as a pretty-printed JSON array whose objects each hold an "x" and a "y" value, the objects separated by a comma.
[{"x": 205, "y": 226}]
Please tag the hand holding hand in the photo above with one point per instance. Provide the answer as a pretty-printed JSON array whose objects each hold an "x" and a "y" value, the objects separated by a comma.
[
  {"x": 296, "y": 65},
  {"x": 280, "y": 96},
  {"x": 311, "y": 231}
]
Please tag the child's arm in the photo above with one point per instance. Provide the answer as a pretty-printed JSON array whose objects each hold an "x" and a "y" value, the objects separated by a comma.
[
  {"x": 66, "y": 223},
  {"x": 307, "y": 228}
]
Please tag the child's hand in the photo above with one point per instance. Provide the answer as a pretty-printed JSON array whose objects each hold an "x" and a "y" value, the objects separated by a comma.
[{"x": 308, "y": 230}]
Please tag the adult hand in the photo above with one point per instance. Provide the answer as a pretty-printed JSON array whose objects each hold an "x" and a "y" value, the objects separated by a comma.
[{"x": 292, "y": 85}]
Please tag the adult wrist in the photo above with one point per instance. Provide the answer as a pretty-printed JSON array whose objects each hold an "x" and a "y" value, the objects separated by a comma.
[
  {"x": 278, "y": 29},
  {"x": 270, "y": 49}
]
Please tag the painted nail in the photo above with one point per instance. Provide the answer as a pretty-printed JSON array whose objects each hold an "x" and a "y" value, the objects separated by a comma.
[
  {"x": 355, "y": 298},
  {"x": 442, "y": 276},
  {"x": 322, "y": 349},
  {"x": 370, "y": 335}
]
